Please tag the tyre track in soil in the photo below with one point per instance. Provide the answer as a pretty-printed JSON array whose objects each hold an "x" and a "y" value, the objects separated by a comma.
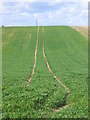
[
  {"x": 32, "y": 73},
  {"x": 58, "y": 80}
]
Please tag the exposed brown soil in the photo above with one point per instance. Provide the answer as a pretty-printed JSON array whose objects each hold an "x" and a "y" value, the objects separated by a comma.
[
  {"x": 58, "y": 110},
  {"x": 63, "y": 107},
  {"x": 82, "y": 29},
  {"x": 29, "y": 79},
  {"x": 59, "y": 81}
]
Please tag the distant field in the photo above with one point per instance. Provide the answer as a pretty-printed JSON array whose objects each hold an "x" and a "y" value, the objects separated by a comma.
[
  {"x": 82, "y": 29},
  {"x": 67, "y": 54}
]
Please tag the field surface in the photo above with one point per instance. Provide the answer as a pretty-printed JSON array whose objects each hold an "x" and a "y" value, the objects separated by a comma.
[
  {"x": 66, "y": 51},
  {"x": 82, "y": 29}
]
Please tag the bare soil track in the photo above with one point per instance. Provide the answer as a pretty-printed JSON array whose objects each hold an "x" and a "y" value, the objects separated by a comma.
[
  {"x": 59, "y": 81},
  {"x": 30, "y": 77}
]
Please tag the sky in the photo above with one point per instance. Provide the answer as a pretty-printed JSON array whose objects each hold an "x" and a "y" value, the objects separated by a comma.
[{"x": 48, "y": 13}]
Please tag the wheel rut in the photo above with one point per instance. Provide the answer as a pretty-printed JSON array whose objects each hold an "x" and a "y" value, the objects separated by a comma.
[
  {"x": 32, "y": 73},
  {"x": 58, "y": 80}
]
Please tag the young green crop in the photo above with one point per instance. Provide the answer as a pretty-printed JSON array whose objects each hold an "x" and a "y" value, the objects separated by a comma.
[{"x": 66, "y": 51}]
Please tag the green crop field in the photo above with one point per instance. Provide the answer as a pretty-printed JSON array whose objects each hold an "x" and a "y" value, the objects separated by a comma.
[{"x": 67, "y": 54}]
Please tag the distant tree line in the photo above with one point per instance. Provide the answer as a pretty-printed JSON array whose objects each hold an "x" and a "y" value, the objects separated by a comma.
[{"x": 2, "y": 25}]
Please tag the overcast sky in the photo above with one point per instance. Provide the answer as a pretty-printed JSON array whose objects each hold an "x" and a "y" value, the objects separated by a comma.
[{"x": 57, "y": 12}]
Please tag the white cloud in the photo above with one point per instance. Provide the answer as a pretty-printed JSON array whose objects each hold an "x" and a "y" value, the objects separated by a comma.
[
  {"x": 25, "y": 14},
  {"x": 19, "y": 1},
  {"x": 35, "y": 15},
  {"x": 68, "y": 14},
  {"x": 50, "y": 15},
  {"x": 16, "y": 9},
  {"x": 1, "y": 7},
  {"x": 50, "y": 1}
]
